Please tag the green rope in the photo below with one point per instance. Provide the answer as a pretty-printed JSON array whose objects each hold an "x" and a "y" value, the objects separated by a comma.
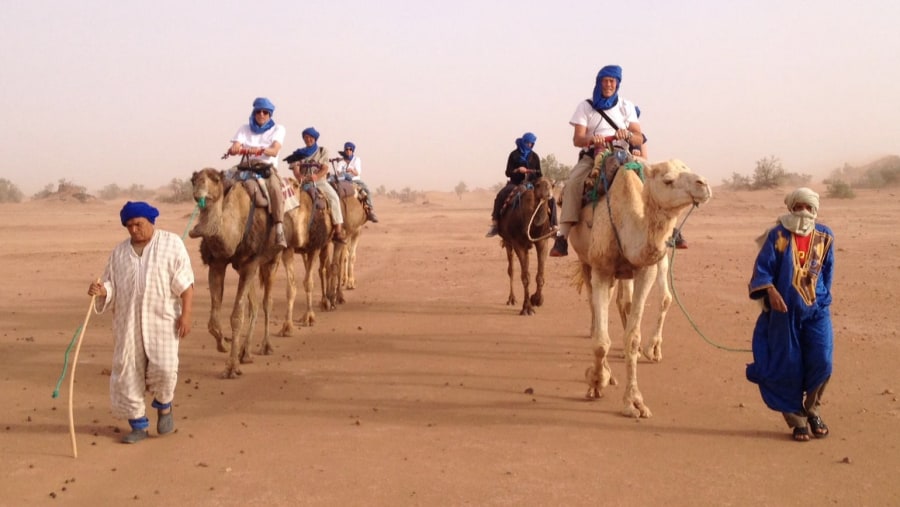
[
  {"x": 77, "y": 331},
  {"x": 683, "y": 310},
  {"x": 199, "y": 205},
  {"x": 66, "y": 363}
]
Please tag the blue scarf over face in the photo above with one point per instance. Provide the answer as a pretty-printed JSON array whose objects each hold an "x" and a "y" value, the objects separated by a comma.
[
  {"x": 348, "y": 146},
  {"x": 524, "y": 149},
  {"x": 600, "y": 102},
  {"x": 262, "y": 103}
]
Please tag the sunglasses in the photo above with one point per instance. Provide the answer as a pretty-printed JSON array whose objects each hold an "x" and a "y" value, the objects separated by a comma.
[{"x": 262, "y": 111}]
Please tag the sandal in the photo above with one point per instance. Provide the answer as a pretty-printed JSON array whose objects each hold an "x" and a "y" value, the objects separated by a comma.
[
  {"x": 819, "y": 429},
  {"x": 801, "y": 434}
]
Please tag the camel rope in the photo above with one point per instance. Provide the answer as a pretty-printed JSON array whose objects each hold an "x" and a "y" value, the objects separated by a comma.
[
  {"x": 678, "y": 300},
  {"x": 528, "y": 229}
]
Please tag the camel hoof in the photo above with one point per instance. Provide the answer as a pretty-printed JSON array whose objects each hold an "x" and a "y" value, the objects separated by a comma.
[
  {"x": 287, "y": 330},
  {"x": 637, "y": 410},
  {"x": 511, "y": 301},
  {"x": 266, "y": 350},
  {"x": 527, "y": 311},
  {"x": 593, "y": 394},
  {"x": 652, "y": 354},
  {"x": 246, "y": 358},
  {"x": 231, "y": 373},
  {"x": 613, "y": 381},
  {"x": 537, "y": 299}
]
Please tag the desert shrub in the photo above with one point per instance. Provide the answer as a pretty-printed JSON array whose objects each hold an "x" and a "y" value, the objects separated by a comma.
[
  {"x": 839, "y": 189},
  {"x": 9, "y": 192},
  {"x": 737, "y": 182},
  {"x": 381, "y": 190},
  {"x": 178, "y": 191},
  {"x": 110, "y": 192},
  {"x": 768, "y": 173}
]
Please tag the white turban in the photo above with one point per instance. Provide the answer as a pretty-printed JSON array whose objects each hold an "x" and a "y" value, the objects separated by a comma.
[{"x": 801, "y": 222}]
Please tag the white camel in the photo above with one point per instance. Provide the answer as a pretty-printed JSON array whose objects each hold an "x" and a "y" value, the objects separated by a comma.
[{"x": 629, "y": 237}]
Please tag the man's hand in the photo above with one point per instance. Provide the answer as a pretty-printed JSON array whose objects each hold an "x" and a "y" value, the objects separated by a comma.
[{"x": 776, "y": 302}]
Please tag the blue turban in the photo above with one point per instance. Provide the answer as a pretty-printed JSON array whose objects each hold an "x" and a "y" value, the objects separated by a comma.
[
  {"x": 311, "y": 131},
  {"x": 264, "y": 103},
  {"x": 349, "y": 146},
  {"x": 599, "y": 101},
  {"x": 524, "y": 149},
  {"x": 136, "y": 210}
]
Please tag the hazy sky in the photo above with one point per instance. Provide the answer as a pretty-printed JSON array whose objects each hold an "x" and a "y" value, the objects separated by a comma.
[{"x": 434, "y": 93}]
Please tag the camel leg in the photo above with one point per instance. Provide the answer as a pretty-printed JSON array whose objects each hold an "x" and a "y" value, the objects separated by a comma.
[
  {"x": 510, "y": 271},
  {"x": 267, "y": 278},
  {"x": 624, "y": 296},
  {"x": 216, "y": 289},
  {"x": 351, "y": 263},
  {"x": 287, "y": 258},
  {"x": 330, "y": 276},
  {"x": 598, "y": 375},
  {"x": 341, "y": 257},
  {"x": 309, "y": 260},
  {"x": 232, "y": 365},
  {"x": 541, "y": 252},
  {"x": 522, "y": 254},
  {"x": 633, "y": 400},
  {"x": 653, "y": 351},
  {"x": 245, "y": 356}
]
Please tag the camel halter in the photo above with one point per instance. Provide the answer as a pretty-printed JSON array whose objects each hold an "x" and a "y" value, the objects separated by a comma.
[{"x": 530, "y": 222}]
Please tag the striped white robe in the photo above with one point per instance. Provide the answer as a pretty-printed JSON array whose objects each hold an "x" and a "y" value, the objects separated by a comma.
[{"x": 144, "y": 294}]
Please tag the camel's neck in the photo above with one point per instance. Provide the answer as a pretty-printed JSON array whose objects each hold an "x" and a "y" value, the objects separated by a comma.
[{"x": 644, "y": 226}]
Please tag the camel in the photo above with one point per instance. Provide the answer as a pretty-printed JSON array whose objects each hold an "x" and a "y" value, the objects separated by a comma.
[
  {"x": 235, "y": 232},
  {"x": 345, "y": 254},
  {"x": 524, "y": 224},
  {"x": 626, "y": 234},
  {"x": 314, "y": 236}
]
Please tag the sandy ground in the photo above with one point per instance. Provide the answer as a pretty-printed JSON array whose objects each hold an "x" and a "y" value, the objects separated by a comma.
[{"x": 414, "y": 391}]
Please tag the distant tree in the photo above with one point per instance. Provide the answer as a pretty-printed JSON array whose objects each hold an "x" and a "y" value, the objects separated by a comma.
[
  {"x": 179, "y": 191},
  {"x": 768, "y": 173},
  {"x": 9, "y": 192},
  {"x": 553, "y": 169},
  {"x": 47, "y": 191},
  {"x": 461, "y": 189},
  {"x": 381, "y": 190},
  {"x": 136, "y": 191}
]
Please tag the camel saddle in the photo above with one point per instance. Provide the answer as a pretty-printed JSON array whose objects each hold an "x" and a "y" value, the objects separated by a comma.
[
  {"x": 514, "y": 197},
  {"x": 606, "y": 166}
]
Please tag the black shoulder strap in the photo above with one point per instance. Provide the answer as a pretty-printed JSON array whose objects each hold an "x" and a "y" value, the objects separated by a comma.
[{"x": 603, "y": 114}]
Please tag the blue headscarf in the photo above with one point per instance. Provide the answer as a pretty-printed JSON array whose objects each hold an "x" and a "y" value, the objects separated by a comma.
[
  {"x": 136, "y": 210},
  {"x": 262, "y": 103},
  {"x": 600, "y": 102},
  {"x": 306, "y": 151},
  {"x": 348, "y": 146},
  {"x": 525, "y": 150}
]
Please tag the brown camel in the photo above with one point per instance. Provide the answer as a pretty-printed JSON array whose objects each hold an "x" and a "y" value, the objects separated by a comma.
[
  {"x": 235, "y": 232},
  {"x": 313, "y": 230},
  {"x": 355, "y": 218},
  {"x": 627, "y": 233},
  {"x": 525, "y": 223}
]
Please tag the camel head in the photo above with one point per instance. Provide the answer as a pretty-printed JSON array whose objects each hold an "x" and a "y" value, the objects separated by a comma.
[
  {"x": 208, "y": 188},
  {"x": 672, "y": 186},
  {"x": 208, "y": 185}
]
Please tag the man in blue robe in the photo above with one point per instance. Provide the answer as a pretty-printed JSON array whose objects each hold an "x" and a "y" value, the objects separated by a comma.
[{"x": 793, "y": 339}]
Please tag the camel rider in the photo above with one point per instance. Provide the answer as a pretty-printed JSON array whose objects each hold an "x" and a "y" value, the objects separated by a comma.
[
  {"x": 523, "y": 164},
  {"x": 317, "y": 157},
  {"x": 262, "y": 138},
  {"x": 590, "y": 129},
  {"x": 350, "y": 168}
]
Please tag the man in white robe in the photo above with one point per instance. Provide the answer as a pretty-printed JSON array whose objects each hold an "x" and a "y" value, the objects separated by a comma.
[{"x": 148, "y": 284}]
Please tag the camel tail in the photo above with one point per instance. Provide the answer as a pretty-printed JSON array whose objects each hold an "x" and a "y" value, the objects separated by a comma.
[{"x": 577, "y": 278}]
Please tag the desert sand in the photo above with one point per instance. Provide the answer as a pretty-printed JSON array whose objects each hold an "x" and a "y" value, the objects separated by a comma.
[{"x": 426, "y": 389}]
